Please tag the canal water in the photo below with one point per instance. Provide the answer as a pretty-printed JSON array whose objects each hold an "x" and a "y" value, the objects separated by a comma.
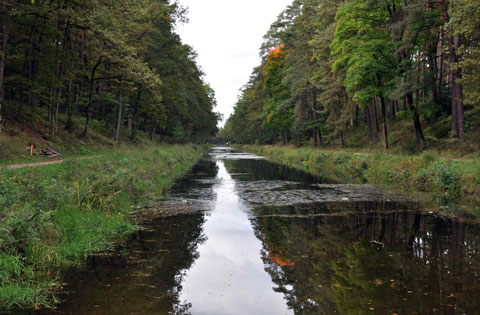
[{"x": 240, "y": 235}]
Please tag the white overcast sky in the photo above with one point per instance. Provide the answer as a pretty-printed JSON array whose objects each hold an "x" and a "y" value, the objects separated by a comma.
[{"x": 227, "y": 35}]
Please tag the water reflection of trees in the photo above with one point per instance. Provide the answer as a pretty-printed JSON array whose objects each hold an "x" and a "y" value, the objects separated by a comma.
[
  {"x": 207, "y": 168},
  {"x": 146, "y": 277},
  {"x": 377, "y": 258},
  {"x": 171, "y": 250},
  {"x": 253, "y": 170}
]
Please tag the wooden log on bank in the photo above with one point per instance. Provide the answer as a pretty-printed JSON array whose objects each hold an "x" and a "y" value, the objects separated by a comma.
[{"x": 49, "y": 153}]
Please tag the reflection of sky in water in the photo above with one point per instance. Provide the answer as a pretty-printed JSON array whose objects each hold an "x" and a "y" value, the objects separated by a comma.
[
  {"x": 358, "y": 248},
  {"x": 229, "y": 276}
]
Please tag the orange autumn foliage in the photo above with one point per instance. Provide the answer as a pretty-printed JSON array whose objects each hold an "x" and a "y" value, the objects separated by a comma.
[
  {"x": 276, "y": 58},
  {"x": 276, "y": 258},
  {"x": 276, "y": 52}
]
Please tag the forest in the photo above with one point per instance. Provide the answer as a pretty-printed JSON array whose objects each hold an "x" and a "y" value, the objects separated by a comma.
[
  {"x": 119, "y": 63},
  {"x": 378, "y": 73}
]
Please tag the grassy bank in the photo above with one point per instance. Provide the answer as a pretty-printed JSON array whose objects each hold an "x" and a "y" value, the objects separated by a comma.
[
  {"x": 53, "y": 217},
  {"x": 17, "y": 136},
  {"x": 447, "y": 178}
]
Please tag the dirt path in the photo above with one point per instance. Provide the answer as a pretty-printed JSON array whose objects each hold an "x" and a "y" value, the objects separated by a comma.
[{"x": 16, "y": 166}]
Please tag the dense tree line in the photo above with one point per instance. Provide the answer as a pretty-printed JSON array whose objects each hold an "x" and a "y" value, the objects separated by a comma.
[
  {"x": 119, "y": 62},
  {"x": 332, "y": 68}
]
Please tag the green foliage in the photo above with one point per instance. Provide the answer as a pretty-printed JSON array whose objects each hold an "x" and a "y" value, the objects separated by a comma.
[
  {"x": 362, "y": 278},
  {"x": 446, "y": 180},
  {"x": 364, "y": 47},
  {"x": 81, "y": 58},
  {"x": 465, "y": 18},
  {"x": 343, "y": 64}
]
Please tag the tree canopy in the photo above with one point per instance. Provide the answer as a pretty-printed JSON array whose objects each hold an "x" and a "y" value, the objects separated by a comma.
[
  {"x": 117, "y": 62},
  {"x": 357, "y": 66}
]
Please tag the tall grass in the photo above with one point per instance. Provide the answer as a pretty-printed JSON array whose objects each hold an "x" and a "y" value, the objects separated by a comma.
[{"x": 53, "y": 217}]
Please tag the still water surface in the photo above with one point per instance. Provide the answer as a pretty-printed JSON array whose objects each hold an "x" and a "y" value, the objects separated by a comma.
[{"x": 240, "y": 235}]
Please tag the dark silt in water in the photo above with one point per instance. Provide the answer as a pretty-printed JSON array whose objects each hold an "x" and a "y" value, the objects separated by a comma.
[{"x": 240, "y": 235}]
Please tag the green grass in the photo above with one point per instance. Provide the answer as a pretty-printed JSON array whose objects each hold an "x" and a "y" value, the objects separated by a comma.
[
  {"x": 430, "y": 172},
  {"x": 53, "y": 217}
]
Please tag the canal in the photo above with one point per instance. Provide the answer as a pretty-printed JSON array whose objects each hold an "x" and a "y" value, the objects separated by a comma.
[{"x": 240, "y": 235}]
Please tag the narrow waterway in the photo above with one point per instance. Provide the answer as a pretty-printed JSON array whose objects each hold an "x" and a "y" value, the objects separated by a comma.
[{"x": 240, "y": 235}]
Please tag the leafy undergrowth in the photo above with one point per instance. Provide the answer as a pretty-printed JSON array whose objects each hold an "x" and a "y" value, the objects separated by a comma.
[
  {"x": 53, "y": 217},
  {"x": 448, "y": 179}
]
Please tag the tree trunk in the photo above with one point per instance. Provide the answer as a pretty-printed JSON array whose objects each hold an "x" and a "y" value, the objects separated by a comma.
[
  {"x": 368, "y": 119},
  {"x": 342, "y": 140},
  {"x": 61, "y": 75},
  {"x": 56, "y": 101},
  {"x": 36, "y": 45},
  {"x": 53, "y": 91},
  {"x": 69, "y": 124},
  {"x": 416, "y": 122},
  {"x": 459, "y": 92},
  {"x": 375, "y": 115},
  {"x": 285, "y": 137},
  {"x": 458, "y": 250},
  {"x": 135, "y": 112},
  {"x": 454, "y": 128},
  {"x": 432, "y": 75},
  {"x": 440, "y": 63},
  {"x": 313, "y": 99},
  {"x": 392, "y": 110},
  {"x": 91, "y": 81},
  {"x": 57, "y": 105},
  {"x": 5, "y": 29},
  {"x": 320, "y": 138},
  {"x": 97, "y": 109},
  {"x": 153, "y": 132},
  {"x": 384, "y": 123},
  {"x": 357, "y": 112},
  {"x": 119, "y": 117},
  {"x": 129, "y": 117},
  {"x": 458, "y": 121}
]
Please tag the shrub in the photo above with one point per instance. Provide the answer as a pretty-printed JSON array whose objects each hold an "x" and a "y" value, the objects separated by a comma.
[{"x": 446, "y": 180}]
